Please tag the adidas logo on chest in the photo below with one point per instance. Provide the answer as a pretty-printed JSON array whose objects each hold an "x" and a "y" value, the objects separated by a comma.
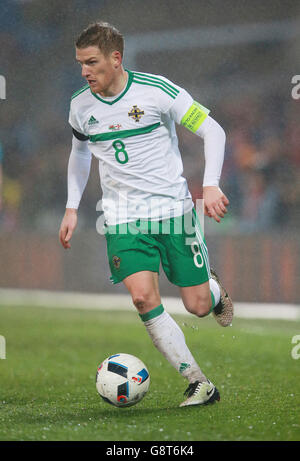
[{"x": 92, "y": 121}]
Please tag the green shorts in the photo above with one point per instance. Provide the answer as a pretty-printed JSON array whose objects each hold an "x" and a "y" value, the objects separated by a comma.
[{"x": 177, "y": 243}]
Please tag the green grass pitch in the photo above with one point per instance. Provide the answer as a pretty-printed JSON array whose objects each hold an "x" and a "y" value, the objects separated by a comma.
[{"x": 48, "y": 388}]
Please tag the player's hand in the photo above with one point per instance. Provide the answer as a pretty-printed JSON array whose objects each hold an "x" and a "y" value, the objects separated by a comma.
[
  {"x": 67, "y": 227},
  {"x": 215, "y": 202}
]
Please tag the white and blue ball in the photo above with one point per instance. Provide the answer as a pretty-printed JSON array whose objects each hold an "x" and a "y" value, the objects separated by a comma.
[{"x": 122, "y": 380}]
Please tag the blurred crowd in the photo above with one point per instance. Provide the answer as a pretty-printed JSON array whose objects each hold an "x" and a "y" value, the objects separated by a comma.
[{"x": 261, "y": 174}]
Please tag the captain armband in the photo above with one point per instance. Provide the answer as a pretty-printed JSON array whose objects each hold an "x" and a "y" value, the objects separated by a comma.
[{"x": 194, "y": 117}]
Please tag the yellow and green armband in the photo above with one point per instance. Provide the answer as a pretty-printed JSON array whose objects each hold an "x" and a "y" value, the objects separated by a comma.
[{"x": 194, "y": 117}]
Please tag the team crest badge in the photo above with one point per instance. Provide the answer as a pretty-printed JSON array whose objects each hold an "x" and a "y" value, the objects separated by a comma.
[
  {"x": 136, "y": 113},
  {"x": 116, "y": 261}
]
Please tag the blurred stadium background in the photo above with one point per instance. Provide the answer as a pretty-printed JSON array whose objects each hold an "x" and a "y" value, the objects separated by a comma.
[{"x": 235, "y": 57}]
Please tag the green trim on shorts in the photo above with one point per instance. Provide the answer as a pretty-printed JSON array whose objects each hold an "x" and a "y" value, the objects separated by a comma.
[
  {"x": 153, "y": 313},
  {"x": 201, "y": 238},
  {"x": 176, "y": 243}
]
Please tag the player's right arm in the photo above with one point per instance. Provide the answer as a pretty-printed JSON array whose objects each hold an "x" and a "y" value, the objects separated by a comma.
[
  {"x": 68, "y": 225},
  {"x": 78, "y": 173}
]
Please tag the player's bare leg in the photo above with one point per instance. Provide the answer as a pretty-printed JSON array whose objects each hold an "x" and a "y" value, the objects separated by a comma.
[
  {"x": 209, "y": 297},
  {"x": 166, "y": 335},
  {"x": 144, "y": 289},
  {"x": 197, "y": 299}
]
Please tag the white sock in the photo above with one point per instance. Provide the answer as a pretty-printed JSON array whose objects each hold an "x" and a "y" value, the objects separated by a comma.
[
  {"x": 215, "y": 292},
  {"x": 169, "y": 340}
]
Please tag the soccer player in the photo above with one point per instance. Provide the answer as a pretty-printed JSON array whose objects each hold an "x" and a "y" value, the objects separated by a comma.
[{"x": 126, "y": 119}]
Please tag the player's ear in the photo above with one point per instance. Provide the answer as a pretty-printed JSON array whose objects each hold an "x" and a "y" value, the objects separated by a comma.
[{"x": 116, "y": 59}]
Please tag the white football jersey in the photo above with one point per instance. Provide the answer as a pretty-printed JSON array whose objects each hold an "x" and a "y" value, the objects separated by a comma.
[{"x": 134, "y": 138}]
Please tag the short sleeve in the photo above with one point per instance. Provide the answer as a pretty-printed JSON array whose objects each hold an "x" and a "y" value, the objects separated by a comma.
[
  {"x": 184, "y": 110},
  {"x": 180, "y": 106},
  {"x": 172, "y": 100},
  {"x": 74, "y": 119}
]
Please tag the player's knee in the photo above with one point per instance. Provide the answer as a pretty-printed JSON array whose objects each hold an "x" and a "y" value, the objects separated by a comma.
[
  {"x": 143, "y": 302},
  {"x": 139, "y": 302},
  {"x": 199, "y": 306}
]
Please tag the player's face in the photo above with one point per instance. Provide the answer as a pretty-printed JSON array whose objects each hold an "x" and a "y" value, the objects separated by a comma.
[{"x": 99, "y": 70}]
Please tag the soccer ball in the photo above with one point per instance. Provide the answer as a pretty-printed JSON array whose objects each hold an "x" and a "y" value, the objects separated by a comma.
[{"x": 122, "y": 380}]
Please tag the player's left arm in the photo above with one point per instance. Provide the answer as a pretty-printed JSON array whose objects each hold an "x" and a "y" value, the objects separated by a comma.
[
  {"x": 181, "y": 108},
  {"x": 195, "y": 118},
  {"x": 215, "y": 201}
]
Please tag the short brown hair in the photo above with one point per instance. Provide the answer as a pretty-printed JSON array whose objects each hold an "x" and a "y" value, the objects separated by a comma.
[{"x": 103, "y": 35}]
